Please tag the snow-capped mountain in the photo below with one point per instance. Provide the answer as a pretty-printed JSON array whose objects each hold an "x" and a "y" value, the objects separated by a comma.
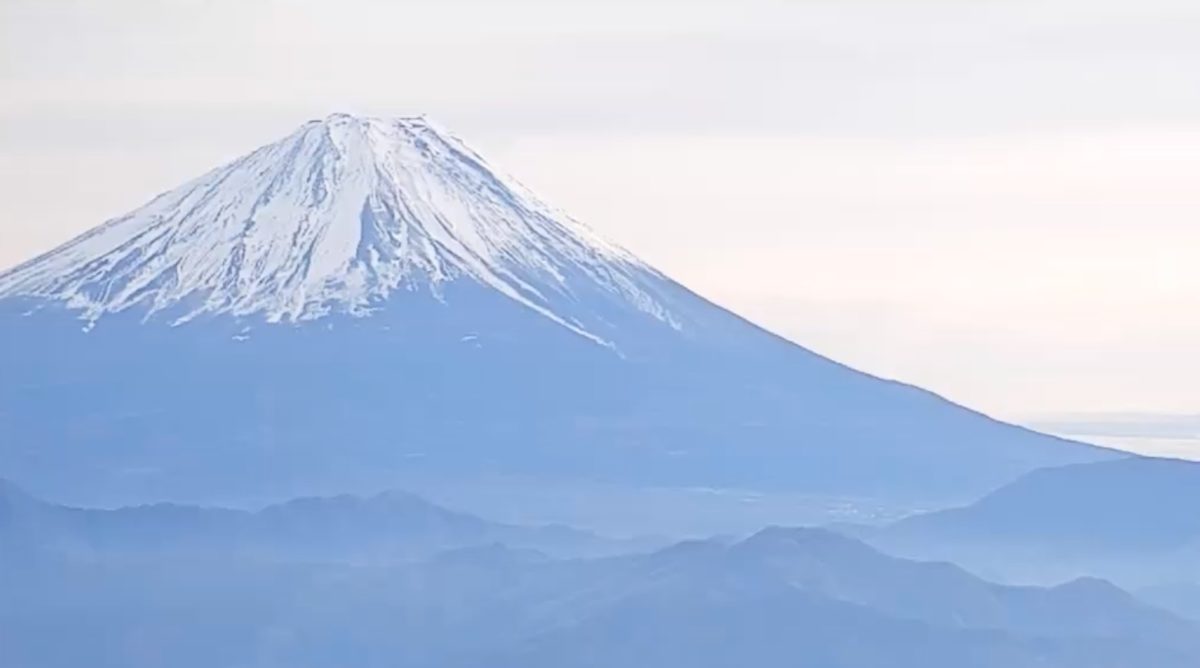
[
  {"x": 334, "y": 218},
  {"x": 367, "y": 299}
]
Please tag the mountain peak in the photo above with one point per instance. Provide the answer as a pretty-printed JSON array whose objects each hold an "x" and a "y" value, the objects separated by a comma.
[
  {"x": 376, "y": 133},
  {"x": 341, "y": 118},
  {"x": 334, "y": 218}
]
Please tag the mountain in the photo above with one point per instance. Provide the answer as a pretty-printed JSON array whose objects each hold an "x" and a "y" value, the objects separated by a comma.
[
  {"x": 367, "y": 301},
  {"x": 337, "y": 217},
  {"x": 1181, "y": 598},
  {"x": 384, "y": 527},
  {"x": 1130, "y": 520},
  {"x": 783, "y": 597},
  {"x": 808, "y": 597}
]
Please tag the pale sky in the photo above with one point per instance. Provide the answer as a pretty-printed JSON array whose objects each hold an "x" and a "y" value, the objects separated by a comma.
[{"x": 995, "y": 200}]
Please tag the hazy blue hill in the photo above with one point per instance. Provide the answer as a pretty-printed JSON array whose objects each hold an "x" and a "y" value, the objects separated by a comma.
[
  {"x": 943, "y": 594},
  {"x": 387, "y": 526},
  {"x": 714, "y": 628},
  {"x": 782, "y": 597},
  {"x": 1127, "y": 505},
  {"x": 1132, "y": 521},
  {"x": 1182, "y": 598}
]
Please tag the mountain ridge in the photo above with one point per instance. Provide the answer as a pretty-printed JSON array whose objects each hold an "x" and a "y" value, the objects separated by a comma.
[
  {"x": 780, "y": 596},
  {"x": 389, "y": 525}
]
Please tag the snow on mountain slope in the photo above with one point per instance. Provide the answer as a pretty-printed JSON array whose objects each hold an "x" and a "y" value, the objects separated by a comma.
[
  {"x": 333, "y": 218},
  {"x": 366, "y": 301}
]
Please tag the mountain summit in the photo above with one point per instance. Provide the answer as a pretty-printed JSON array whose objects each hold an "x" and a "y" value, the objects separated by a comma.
[
  {"x": 334, "y": 218},
  {"x": 367, "y": 301}
]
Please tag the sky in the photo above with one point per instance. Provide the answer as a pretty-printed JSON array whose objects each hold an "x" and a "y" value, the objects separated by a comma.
[{"x": 995, "y": 200}]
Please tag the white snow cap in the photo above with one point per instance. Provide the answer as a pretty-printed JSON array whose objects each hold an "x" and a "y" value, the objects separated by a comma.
[{"x": 333, "y": 218}]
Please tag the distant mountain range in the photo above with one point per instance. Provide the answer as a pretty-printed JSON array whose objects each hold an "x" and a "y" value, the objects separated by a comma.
[
  {"x": 1132, "y": 520},
  {"x": 367, "y": 300},
  {"x": 136, "y": 592},
  {"x": 390, "y": 526},
  {"x": 791, "y": 596}
]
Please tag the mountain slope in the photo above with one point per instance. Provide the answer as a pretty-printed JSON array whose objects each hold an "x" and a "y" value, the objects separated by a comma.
[{"x": 367, "y": 300}]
